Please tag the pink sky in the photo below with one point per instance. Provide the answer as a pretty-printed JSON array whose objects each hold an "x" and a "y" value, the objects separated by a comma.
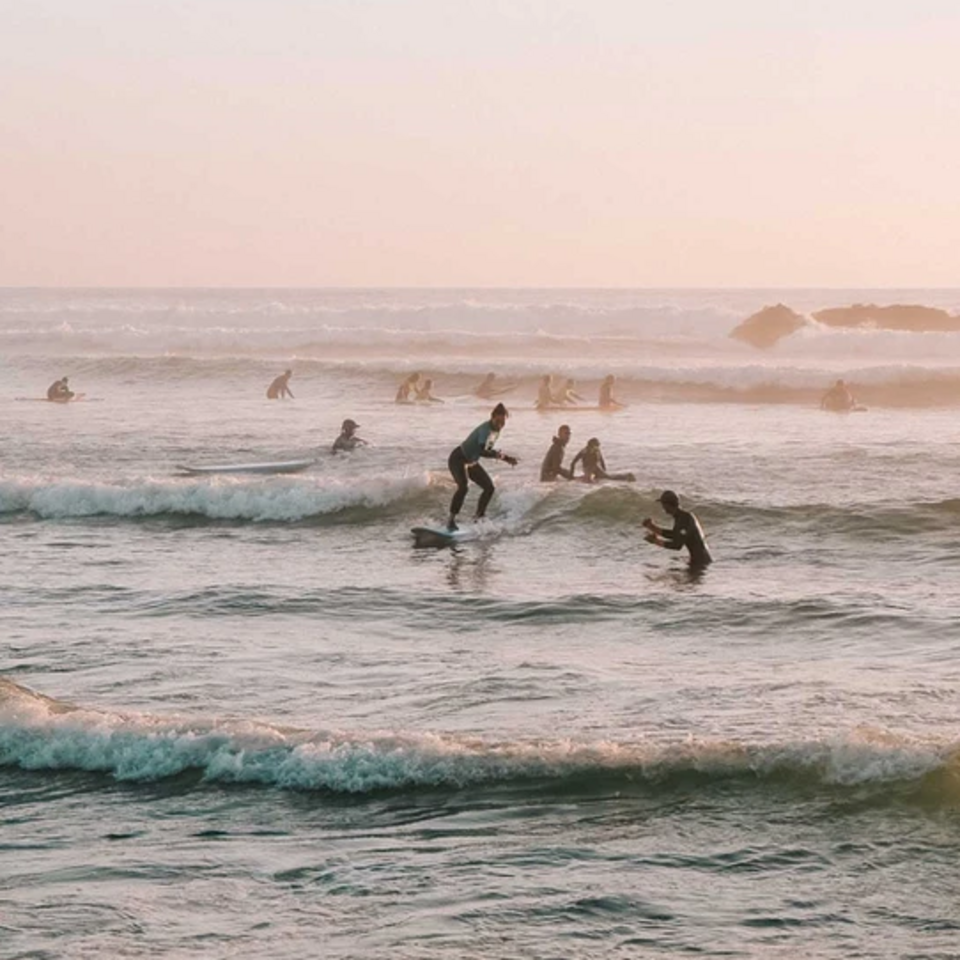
[{"x": 469, "y": 143}]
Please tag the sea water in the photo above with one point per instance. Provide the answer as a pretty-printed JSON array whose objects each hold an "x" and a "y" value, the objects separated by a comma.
[{"x": 243, "y": 716}]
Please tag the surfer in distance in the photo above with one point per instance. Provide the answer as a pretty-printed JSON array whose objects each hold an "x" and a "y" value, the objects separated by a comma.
[
  {"x": 686, "y": 531},
  {"x": 594, "y": 466},
  {"x": 838, "y": 399},
  {"x": 606, "y": 401},
  {"x": 280, "y": 389},
  {"x": 407, "y": 387},
  {"x": 568, "y": 394},
  {"x": 348, "y": 439},
  {"x": 487, "y": 389},
  {"x": 59, "y": 391},
  {"x": 464, "y": 463},
  {"x": 552, "y": 466},
  {"x": 424, "y": 392}
]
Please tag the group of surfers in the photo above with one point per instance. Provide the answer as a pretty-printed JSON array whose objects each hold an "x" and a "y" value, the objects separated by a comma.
[{"x": 464, "y": 465}]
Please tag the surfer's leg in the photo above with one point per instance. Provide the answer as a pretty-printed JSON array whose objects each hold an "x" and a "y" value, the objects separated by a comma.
[
  {"x": 480, "y": 477},
  {"x": 458, "y": 468}
]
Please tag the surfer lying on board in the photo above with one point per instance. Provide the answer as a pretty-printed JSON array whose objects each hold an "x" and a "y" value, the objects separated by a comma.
[
  {"x": 686, "y": 531},
  {"x": 279, "y": 389},
  {"x": 552, "y": 466},
  {"x": 348, "y": 440},
  {"x": 59, "y": 392},
  {"x": 464, "y": 463},
  {"x": 594, "y": 467}
]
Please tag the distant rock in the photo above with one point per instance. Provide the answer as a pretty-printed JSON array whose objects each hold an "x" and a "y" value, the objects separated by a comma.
[
  {"x": 769, "y": 325},
  {"x": 915, "y": 318}
]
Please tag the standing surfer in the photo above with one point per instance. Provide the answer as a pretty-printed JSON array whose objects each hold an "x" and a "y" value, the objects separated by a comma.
[{"x": 464, "y": 463}]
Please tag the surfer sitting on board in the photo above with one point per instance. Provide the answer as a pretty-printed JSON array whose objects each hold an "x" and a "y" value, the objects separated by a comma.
[
  {"x": 594, "y": 467},
  {"x": 348, "y": 440},
  {"x": 408, "y": 386},
  {"x": 838, "y": 398},
  {"x": 552, "y": 466},
  {"x": 686, "y": 531},
  {"x": 568, "y": 395},
  {"x": 606, "y": 401},
  {"x": 424, "y": 393},
  {"x": 464, "y": 463},
  {"x": 279, "y": 388},
  {"x": 59, "y": 392},
  {"x": 487, "y": 389}
]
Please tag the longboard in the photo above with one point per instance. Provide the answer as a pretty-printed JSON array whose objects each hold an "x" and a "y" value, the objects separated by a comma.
[
  {"x": 440, "y": 536},
  {"x": 281, "y": 466},
  {"x": 562, "y": 408},
  {"x": 76, "y": 398}
]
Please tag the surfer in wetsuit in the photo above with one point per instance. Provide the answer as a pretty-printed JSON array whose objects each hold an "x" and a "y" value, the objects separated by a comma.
[
  {"x": 464, "y": 462},
  {"x": 686, "y": 531},
  {"x": 594, "y": 466},
  {"x": 348, "y": 440},
  {"x": 59, "y": 392},
  {"x": 545, "y": 393},
  {"x": 279, "y": 389},
  {"x": 552, "y": 466},
  {"x": 568, "y": 395}
]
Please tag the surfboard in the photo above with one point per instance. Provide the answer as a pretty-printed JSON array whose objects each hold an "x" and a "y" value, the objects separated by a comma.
[
  {"x": 559, "y": 408},
  {"x": 280, "y": 466},
  {"x": 440, "y": 536},
  {"x": 76, "y": 398}
]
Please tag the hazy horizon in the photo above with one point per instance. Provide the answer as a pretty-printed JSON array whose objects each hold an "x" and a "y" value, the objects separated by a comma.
[{"x": 542, "y": 145}]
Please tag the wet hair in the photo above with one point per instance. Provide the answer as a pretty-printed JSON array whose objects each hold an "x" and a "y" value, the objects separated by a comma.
[
  {"x": 499, "y": 411},
  {"x": 593, "y": 442}
]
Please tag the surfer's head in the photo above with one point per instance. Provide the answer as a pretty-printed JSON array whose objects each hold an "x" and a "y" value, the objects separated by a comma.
[
  {"x": 499, "y": 415},
  {"x": 349, "y": 425},
  {"x": 668, "y": 500}
]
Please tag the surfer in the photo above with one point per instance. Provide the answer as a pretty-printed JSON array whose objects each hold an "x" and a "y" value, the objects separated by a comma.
[
  {"x": 408, "y": 386},
  {"x": 552, "y": 466},
  {"x": 594, "y": 467},
  {"x": 487, "y": 390},
  {"x": 545, "y": 392},
  {"x": 59, "y": 391},
  {"x": 606, "y": 401},
  {"x": 464, "y": 462},
  {"x": 424, "y": 393},
  {"x": 568, "y": 395},
  {"x": 686, "y": 531},
  {"x": 348, "y": 440},
  {"x": 838, "y": 398},
  {"x": 280, "y": 389}
]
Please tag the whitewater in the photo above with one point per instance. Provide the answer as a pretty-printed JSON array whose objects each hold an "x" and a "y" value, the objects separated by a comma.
[{"x": 242, "y": 716}]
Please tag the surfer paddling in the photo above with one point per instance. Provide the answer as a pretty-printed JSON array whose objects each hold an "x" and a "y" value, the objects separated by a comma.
[
  {"x": 464, "y": 463},
  {"x": 686, "y": 531},
  {"x": 279, "y": 389}
]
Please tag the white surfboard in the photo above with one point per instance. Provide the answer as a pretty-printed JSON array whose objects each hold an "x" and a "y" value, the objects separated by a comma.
[
  {"x": 280, "y": 466},
  {"x": 441, "y": 536}
]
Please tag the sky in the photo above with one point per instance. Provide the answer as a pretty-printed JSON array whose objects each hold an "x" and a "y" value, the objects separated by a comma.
[{"x": 480, "y": 143}]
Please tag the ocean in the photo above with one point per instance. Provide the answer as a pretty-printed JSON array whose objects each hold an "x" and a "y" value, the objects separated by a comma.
[{"x": 242, "y": 716}]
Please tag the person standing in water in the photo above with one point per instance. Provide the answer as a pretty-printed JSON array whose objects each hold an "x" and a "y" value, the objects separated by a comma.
[
  {"x": 552, "y": 466},
  {"x": 686, "y": 531},
  {"x": 279, "y": 389},
  {"x": 464, "y": 463}
]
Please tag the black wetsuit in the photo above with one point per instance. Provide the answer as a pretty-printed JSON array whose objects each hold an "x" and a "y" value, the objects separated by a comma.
[
  {"x": 552, "y": 466},
  {"x": 463, "y": 463},
  {"x": 687, "y": 533}
]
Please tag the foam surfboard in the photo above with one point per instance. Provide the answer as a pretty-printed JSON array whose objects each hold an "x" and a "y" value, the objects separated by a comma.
[
  {"x": 280, "y": 466},
  {"x": 440, "y": 536}
]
